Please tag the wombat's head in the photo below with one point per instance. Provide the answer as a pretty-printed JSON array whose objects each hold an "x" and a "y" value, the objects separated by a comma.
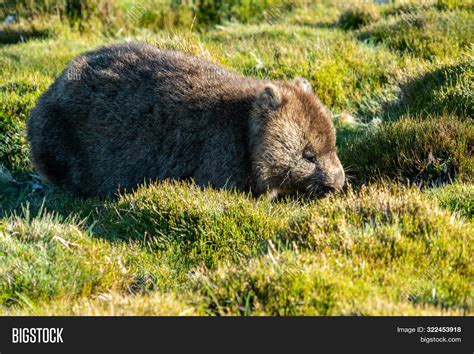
[{"x": 293, "y": 142}]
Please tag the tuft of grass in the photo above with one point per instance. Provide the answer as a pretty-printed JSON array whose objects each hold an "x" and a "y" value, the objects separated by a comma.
[
  {"x": 442, "y": 90},
  {"x": 46, "y": 257},
  {"x": 427, "y": 151},
  {"x": 172, "y": 216},
  {"x": 359, "y": 16},
  {"x": 344, "y": 245},
  {"x": 456, "y": 197},
  {"x": 426, "y": 34},
  {"x": 17, "y": 98}
]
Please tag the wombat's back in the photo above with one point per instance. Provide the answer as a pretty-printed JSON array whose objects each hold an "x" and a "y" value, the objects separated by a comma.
[{"x": 129, "y": 113}]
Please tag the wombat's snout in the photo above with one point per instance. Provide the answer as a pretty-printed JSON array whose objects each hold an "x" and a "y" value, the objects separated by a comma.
[
  {"x": 333, "y": 184},
  {"x": 339, "y": 179},
  {"x": 336, "y": 178},
  {"x": 334, "y": 174}
]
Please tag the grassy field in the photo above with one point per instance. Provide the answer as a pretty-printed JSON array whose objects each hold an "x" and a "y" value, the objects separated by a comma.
[{"x": 399, "y": 239}]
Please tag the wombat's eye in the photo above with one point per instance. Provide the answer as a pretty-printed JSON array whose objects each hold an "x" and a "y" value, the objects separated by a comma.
[{"x": 309, "y": 156}]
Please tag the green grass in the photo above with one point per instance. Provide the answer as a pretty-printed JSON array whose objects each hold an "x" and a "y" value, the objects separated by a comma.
[
  {"x": 231, "y": 254},
  {"x": 429, "y": 151},
  {"x": 359, "y": 16},
  {"x": 397, "y": 241},
  {"x": 456, "y": 197},
  {"x": 444, "y": 89},
  {"x": 428, "y": 34}
]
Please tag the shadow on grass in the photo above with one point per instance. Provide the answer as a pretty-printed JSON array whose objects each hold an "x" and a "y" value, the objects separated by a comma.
[
  {"x": 445, "y": 90},
  {"x": 320, "y": 24},
  {"x": 426, "y": 151},
  {"x": 9, "y": 36}
]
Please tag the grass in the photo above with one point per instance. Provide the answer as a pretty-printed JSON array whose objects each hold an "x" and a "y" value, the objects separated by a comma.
[
  {"x": 397, "y": 241},
  {"x": 359, "y": 16},
  {"x": 336, "y": 246},
  {"x": 457, "y": 197},
  {"x": 423, "y": 151},
  {"x": 427, "y": 34},
  {"x": 231, "y": 254}
]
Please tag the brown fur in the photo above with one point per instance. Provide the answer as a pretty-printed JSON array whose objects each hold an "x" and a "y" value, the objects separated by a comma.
[{"x": 131, "y": 113}]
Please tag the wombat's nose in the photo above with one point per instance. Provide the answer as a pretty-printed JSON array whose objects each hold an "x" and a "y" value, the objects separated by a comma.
[{"x": 339, "y": 180}]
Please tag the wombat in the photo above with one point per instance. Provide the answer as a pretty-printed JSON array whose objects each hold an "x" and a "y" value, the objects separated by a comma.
[{"x": 131, "y": 113}]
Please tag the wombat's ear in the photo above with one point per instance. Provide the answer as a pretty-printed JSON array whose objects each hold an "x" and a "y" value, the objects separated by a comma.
[
  {"x": 270, "y": 97},
  {"x": 303, "y": 84}
]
